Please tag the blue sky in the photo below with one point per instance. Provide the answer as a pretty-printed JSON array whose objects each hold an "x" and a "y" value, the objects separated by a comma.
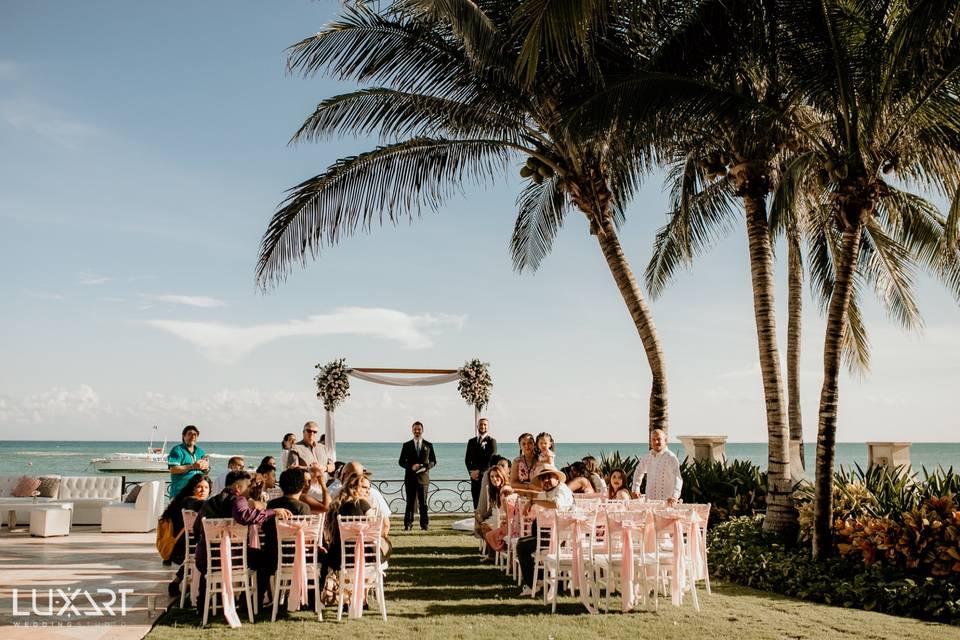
[{"x": 145, "y": 149}]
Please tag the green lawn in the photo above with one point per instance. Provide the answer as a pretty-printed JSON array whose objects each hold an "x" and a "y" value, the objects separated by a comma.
[{"x": 437, "y": 588}]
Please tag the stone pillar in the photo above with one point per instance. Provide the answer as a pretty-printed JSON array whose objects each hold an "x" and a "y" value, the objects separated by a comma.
[
  {"x": 889, "y": 454},
  {"x": 704, "y": 447}
]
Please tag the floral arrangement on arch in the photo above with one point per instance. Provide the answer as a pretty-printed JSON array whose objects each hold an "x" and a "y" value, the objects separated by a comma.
[
  {"x": 333, "y": 384},
  {"x": 475, "y": 383}
]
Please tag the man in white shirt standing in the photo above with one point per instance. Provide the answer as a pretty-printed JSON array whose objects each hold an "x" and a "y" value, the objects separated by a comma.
[{"x": 662, "y": 469}]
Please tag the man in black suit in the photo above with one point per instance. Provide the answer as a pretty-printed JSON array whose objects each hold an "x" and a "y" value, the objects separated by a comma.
[
  {"x": 417, "y": 458},
  {"x": 479, "y": 451}
]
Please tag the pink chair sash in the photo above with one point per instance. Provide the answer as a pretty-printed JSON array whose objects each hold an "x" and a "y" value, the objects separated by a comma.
[
  {"x": 672, "y": 522},
  {"x": 358, "y": 531},
  {"x": 298, "y": 587},
  {"x": 628, "y": 528},
  {"x": 576, "y": 521},
  {"x": 253, "y": 536},
  {"x": 226, "y": 568}
]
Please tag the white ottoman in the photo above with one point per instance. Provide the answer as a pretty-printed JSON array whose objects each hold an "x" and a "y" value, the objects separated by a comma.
[{"x": 52, "y": 520}]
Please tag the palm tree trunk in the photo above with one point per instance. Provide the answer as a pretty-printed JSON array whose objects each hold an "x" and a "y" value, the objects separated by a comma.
[
  {"x": 794, "y": 311},
  {"x": 829, "y": 396},
  {"x": 642, "y": 319},
  {"x": 781, "y": 517}
]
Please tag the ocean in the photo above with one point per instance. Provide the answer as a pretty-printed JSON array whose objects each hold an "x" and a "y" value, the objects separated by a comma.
[{"x": 73, "y": 457}]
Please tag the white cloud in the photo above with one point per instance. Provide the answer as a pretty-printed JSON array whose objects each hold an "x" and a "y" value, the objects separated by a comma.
[
  {"x": 57, "y": 402},
  {"x": 90, "y": 279},
  {"x": 226, "y": 344},
  {"x": 30, "y": 116},
  {"x": 204, "y": 302},
  {"x": 110, "y": 299}
]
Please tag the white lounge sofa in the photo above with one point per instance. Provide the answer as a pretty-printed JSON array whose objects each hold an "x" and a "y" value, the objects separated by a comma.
[
  {"x": 89, "y": 494},
  {"x": 135, "y": 517},
  {"x": 7, "y": 483}
]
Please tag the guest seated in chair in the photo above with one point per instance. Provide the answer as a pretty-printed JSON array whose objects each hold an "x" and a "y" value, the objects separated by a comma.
[
  {"x": 617, "y": 487},
  {"x": 577, "y": 478},
  {"x": 353, "y": 500},
  {"x": 594, "y": 475},
  {"x": 482, "y": 512},
  {"x": 490, "y": 525},
  {"x": 315, "y": 494},
  {"x": 191, "y": 497},
  {"x": 231, "y": 503},
  {"x": 292, "y": 483},
  {"x": 555, "y": 495}
]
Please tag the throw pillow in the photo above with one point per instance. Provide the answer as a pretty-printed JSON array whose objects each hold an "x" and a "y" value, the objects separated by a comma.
[
  {"x": 134, "y": 493},
  {"x": 26, "y": 487},
  {"x": 49, "y": 487}
]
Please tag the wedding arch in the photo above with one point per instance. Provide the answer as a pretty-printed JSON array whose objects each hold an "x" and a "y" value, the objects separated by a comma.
[{"x": 333, "y": 385}]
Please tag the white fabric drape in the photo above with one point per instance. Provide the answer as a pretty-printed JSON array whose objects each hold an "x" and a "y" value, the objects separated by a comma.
[
  {"x": 423, "y": 381},
  {"x": 330, "y": 440}
]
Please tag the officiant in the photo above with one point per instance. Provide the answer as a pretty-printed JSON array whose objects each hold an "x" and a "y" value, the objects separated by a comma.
[{"x": 417, "y": 458}]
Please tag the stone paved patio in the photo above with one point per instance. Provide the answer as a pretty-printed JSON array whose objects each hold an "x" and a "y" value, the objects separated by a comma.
[{"x": 86, "y": 560}]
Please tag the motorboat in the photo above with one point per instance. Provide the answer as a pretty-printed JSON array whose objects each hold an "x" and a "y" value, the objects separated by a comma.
[{"x": 154, "y": 460}]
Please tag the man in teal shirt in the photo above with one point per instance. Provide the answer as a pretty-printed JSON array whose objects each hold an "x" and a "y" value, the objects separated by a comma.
[{"x": 186, "y": 460}]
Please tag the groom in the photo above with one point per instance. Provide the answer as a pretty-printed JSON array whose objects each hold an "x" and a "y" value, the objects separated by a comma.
[{"x": 417, "y": 457}]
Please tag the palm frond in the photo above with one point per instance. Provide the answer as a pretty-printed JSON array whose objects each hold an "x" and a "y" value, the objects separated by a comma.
[
  {"x": 698, "y": 218},
  {"x": 470, "y": 24},
  {"x": 786, "y": 196},
  {"x": 364, "y": 46},
  {"x": 399, "y": 114},
  {"x": 889, "y": 268},
  {"x": 856, "y": 341},
  {"x": 384, "y": 184},
  {"x": 557, "y": 30},
  {"x": 540, "y": 215}
]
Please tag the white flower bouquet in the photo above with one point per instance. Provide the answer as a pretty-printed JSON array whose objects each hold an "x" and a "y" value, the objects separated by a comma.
[
  {"x": 333, "y": 384},
  {"x": 475, "y": 383}
]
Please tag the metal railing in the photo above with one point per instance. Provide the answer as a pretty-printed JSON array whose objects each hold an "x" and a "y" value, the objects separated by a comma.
[{"x": 444, "y": 495}]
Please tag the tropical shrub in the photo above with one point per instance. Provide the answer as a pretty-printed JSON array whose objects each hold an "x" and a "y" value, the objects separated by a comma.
[
  {"x": 923, "y": 541},
  {"x": 732, "y": 489},
  {"x": 741, "y": 552},
  {"x": 607, "y": 462}
]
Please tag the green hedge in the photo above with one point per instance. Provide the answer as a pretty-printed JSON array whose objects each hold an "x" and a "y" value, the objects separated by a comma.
[{"x": 740, "y": 551}]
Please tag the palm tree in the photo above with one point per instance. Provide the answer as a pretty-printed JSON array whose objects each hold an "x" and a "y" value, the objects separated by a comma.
[
  {"x": 747, "y": 119},
  {"x": 886, "y": 75},
  {"x": 453, "y": 104}
]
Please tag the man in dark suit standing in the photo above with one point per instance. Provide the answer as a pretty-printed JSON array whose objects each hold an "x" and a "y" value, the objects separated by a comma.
[
  {"x": 417, "y": 458},
  {"x": 479, "y": 451}
]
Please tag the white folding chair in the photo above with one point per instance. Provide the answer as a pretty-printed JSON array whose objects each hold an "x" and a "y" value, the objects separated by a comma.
[
  {"x": 569, "y": 557},
  {"x": 546, "y": 523},
  {"x": 214, "y": 530},
  {"x": 519, "y": 527},
  {"x": 190, "y": 559},
  {"x": 361, "y": 564},
  {"x": 608, "y": 563},
  {"x": 677, "y": 544},
  {"x": 288, "y": 532}
]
